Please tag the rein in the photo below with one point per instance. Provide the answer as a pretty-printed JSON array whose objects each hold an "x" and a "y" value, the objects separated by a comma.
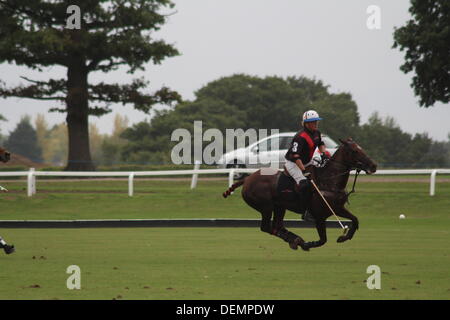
[
  {"x": 354, "y": 183},
  {"x": 347, "y": 171},
  {"x": 346, "y": 167}
]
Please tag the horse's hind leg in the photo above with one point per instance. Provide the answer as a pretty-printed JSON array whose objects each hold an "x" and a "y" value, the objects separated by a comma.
[
  {"x": 276, "y": 226},
  {"x": 266, "y": 217},
  {"x": 278, "y": 217},
  {"x": 265, "y": 210},
  {"x": 280, "y": 231}
]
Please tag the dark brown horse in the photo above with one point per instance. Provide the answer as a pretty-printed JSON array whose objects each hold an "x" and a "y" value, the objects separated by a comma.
[
  {"x": 4, "y": 155},
  {"x": 260, "y": 192}
]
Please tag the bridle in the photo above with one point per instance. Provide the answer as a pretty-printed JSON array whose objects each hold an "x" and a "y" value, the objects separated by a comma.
[{"x": 347, "y": 169}]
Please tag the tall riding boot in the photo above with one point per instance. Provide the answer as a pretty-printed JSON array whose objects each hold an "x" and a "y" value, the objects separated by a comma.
[{"x": 303, "y": 189}]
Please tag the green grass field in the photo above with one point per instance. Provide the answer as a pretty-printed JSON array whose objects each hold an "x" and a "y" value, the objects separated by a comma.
[{"x": 221, "y": 263}]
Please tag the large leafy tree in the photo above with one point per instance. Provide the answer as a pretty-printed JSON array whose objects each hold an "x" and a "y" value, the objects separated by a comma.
[
  {"x": 426, "y": 40},
  {"x": 113, "y": 33},
  {"x": 151, "y": 141},
  {"x": 278, "y": 103},
  {"x": 247, "y": 102}
]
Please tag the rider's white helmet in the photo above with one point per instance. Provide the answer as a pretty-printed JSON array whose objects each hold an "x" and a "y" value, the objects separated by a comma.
[{"x": 310, "y": 116}]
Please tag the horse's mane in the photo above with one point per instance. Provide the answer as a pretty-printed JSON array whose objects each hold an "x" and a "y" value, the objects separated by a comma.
[{"x": 333, "y": 157}]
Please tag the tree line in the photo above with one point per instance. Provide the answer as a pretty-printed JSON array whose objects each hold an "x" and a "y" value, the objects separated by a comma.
[
  {"x": 237, "y": 101},
  {"x": 42, "y": 143}
]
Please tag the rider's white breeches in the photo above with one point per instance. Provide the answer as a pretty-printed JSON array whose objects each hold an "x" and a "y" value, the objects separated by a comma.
[{"x": 294, "y": 171}]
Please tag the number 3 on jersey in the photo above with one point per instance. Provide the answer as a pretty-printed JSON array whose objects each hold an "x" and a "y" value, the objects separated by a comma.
[{"x": 294, "y": 146}]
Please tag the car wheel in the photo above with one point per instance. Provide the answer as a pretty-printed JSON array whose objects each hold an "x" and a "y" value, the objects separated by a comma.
[{"x": 238, "y": 175}]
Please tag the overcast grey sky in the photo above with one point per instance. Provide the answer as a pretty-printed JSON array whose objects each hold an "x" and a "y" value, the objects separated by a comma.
[{"x": 325, "y": 39}]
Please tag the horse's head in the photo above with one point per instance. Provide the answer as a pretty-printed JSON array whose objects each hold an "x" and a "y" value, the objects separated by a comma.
[
  {"x": 4, "y": 155},
  {"x": 355, "y": 157}
]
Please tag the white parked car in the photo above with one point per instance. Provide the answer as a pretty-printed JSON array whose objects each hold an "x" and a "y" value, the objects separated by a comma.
[{"x": 267, "y": 151}]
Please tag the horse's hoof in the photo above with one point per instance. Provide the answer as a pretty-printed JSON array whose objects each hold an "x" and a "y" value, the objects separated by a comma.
[
  {"x": 296, "y": 242},
  {"x": 9, "y": 249},
  {"x": 341, "y": 239},
  {"x": 302, "y": 244}
]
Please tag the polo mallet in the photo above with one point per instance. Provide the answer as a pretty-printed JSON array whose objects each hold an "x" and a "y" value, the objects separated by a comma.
[{"x": 329, "y": 207}]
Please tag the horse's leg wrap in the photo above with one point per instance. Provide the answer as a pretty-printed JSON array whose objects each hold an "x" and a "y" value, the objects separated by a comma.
[
  {"x": 291, "y": 238},
  {"x": 284, "y": 234}
]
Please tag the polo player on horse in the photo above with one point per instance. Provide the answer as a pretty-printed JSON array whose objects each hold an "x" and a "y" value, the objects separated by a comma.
[
  {"x": 4, "y": 157},
  {"x": 300, "y": 155},
  {"x": 271, "y": 194}
]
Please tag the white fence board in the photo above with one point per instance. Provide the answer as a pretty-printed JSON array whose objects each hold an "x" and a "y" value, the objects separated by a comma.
[{"x": 32, "y": 174}]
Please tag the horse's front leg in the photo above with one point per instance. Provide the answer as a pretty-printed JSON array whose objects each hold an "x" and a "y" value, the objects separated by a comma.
[
  {"x": 343, "y": 212},
  {"x": 280, "y": 231},
  {"x": 322, "y": 231}
]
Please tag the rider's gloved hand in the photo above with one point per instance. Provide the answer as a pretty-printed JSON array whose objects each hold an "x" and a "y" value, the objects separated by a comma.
[{"x": 317, "y": 161}]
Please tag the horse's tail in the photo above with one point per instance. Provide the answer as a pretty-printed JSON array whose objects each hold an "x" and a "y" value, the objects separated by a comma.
[{"x": 232, "y": 188}]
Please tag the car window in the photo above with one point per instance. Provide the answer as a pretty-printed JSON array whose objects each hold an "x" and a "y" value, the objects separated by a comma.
[
  {"x": 285, "y": 142},
  {"x": 274, "y": 144},
  {"x": 268, "y": 145},
  {"x": 261, "y": 147},
  {"x": 329, "y": 143}
]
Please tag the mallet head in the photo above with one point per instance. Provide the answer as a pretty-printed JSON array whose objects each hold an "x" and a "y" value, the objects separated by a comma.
[{"x": 345, "y": 229}]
